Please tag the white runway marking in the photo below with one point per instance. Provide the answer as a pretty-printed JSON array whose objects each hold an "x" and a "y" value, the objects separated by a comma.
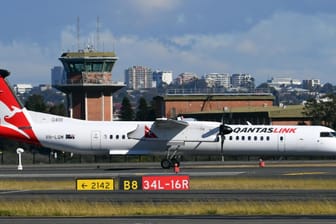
[{"x": 13, "y": 192}]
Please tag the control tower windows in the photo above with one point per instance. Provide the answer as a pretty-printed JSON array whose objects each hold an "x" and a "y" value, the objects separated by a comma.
[
  {"x": 107, "y": 66},
  {"x": 76, "y": 67}
]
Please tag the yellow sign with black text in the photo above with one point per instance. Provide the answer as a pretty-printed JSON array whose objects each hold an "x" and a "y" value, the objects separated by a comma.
[{"x": 95, "y": 184}]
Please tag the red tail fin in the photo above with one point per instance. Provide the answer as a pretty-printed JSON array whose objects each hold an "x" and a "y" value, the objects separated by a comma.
[
  {"x": 6, "y": 94},
  {"x": 14, "y": 119}
]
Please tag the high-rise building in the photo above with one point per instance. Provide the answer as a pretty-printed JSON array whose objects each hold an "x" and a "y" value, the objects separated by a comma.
[
  {"x": 243, "y": 81},
  {"x": 218, "y": 80},
  {"x": 185, "y": 78},
  {"x": 139, "y": 77},
  {"x": 57, "y": 75},
  {"x": 311, "y": 83},
  {"x": 162, "y": 77}
]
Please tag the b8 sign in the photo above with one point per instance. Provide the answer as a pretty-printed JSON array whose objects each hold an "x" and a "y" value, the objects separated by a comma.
[{"x": 130, "y": 183}]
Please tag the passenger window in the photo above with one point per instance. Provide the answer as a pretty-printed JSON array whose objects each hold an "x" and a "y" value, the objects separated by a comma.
[
  {"x": 261, "y": 138},
  {"x": 117, "y": 136},
  {"x": 243, "y": 138},
  {"x": 111, "y": 136},
  {"x": 123, "y": 137},
  {"x": 255, "y": 138},
  {"x": 327, "y": 134},
  {"x": 230, "y": 138},
  {"x": 237, "y": 137},
  {"x": 324, "y": 134},
  {"x": 249, "y": 138},
  {"x": 267, "y": 138},
  {"x": 281, "y": 138}
]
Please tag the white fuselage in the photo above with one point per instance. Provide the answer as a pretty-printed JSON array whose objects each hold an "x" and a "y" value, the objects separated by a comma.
[{"x": 97, "y": 137}]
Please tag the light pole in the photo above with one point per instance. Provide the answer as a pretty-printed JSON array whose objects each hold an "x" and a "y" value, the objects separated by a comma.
[{"x": 19, "y": 151}]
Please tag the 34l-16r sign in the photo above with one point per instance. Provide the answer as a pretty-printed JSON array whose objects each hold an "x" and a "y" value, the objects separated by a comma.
[
  {"x": 165, "y": 183},
  {"x": 155, "y": 183}
]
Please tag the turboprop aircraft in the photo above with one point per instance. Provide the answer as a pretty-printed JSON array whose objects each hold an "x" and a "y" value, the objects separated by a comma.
[{"x": 165, "y": 137}]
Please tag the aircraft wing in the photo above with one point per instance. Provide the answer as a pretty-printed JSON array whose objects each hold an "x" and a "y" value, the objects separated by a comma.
[
  {"x": 169, "y": 123},
  {"x": 175, "y": 132},
  {"x": 161, "y": 129}
]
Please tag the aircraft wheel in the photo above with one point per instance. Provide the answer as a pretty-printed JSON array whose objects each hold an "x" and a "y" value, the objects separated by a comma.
[{"x": 166, "y": 164}]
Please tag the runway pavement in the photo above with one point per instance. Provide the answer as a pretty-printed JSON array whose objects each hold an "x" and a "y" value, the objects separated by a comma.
[
  {"x": 194, "y": 169},
  {"x": 175, "y": 219},
  {"x": 292, "y": 169},
  {"x": 273, "y": 169}
]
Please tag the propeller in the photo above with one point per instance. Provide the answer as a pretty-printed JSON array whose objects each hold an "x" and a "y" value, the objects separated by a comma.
[{"x": 223, "y": 130}]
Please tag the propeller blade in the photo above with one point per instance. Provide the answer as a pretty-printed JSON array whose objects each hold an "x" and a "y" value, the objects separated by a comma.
[
  {"x": 222, "y": 148},
  {"x": 223, "y": 130}
]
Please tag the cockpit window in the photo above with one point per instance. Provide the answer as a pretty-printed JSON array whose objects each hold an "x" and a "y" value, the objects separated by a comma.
[{"x": 327, "y": 134}]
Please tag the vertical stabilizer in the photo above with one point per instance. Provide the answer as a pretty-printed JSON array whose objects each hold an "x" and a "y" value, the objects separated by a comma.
[{"x": 14, "y": 118}]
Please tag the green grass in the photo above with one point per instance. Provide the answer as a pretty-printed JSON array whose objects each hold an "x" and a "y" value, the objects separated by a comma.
[
  {"x": 37, "y": 185},
  {"x": 84, "y": 208}
]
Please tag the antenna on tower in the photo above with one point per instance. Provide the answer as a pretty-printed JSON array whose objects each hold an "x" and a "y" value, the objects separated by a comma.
[
  {"x": 78, "y": 33},
  {"x": 97, "y": 41}
]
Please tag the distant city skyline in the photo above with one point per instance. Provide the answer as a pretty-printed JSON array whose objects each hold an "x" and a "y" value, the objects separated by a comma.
[
  {"x": 260, "y": 37},
  {"x": 141, "y": 77}
]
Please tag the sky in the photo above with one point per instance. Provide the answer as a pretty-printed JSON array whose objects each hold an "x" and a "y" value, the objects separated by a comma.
[{"x": 265, "y": 38}]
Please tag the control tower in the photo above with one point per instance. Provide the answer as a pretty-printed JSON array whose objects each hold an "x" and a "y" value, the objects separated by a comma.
[{"x": 88, "y": 84}]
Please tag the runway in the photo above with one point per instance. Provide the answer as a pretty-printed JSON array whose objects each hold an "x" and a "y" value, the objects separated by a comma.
[
  {"x": 320, "y": 169},
  {"x": 278, "y": 169},
  {"x": 175, "y": 219},
  {"x": 275, "y": 169}
]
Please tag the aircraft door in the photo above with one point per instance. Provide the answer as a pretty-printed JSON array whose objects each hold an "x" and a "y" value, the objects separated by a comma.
[
  {"x": 95, "y": 140},
  {"x": 281, "y": 143}
]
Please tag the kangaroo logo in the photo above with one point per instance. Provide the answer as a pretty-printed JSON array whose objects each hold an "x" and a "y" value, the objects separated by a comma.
[
  {"x": 149, "y": 133},
  {"x": 14, "y": 119},
  {"x": 11, "y": 117}
]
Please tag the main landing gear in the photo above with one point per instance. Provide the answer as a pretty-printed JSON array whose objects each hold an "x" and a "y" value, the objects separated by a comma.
[
  {"x": 169, "y": 163},
  {"x": 172, "y": 159}
]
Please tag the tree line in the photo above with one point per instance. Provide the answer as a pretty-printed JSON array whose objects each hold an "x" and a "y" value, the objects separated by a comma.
[
  {"x": 144, "y": 112},
  {"x": 37, "y": 103},
  {"x": 322, "y": 111}
]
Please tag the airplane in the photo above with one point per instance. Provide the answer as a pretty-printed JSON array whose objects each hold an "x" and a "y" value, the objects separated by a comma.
[{"x": 165, "y": 137}]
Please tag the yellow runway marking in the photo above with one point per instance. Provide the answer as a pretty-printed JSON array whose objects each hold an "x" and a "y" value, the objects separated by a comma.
[{"x": 304, "y": 173}]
